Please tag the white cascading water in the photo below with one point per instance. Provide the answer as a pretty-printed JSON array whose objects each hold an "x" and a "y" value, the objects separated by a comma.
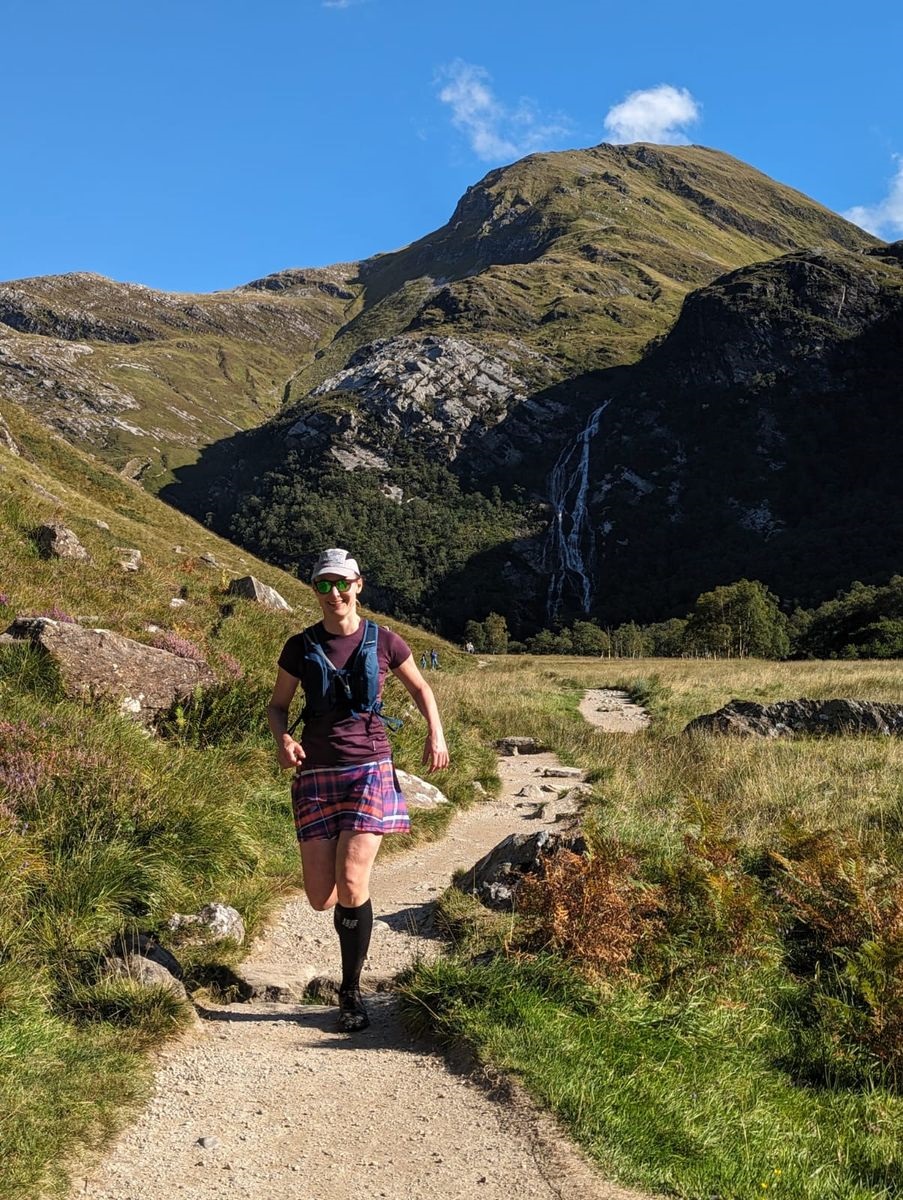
[{"x": 571, "y": 532}]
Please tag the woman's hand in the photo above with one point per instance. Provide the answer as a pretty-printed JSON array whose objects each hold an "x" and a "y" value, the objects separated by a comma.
[
  {"x": 289, "y": 753},
  {"x": 435, "y": 753}
]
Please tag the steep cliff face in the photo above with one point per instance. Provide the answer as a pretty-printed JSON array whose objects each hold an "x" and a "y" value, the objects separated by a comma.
[{"x": 761, "y": 438}]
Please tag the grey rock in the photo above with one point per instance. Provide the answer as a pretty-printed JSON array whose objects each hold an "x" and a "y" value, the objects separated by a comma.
[
  {"x": 177, "y": 602},
  {"x": 96, "y": 663},
  {"x": 208, "y": 1142},
  {"x": 101, "y": 524},
  {"x": 210, "y": 560},
  {"x": 272, "y": 983},
  {"x": 494, "y": 880},
  {"x": 788, "y": 718},
  {"x": 519, "y": 745},
  {"x": 418, "y": 793},
  {"x": 213, "y": 921},
  {"x": 58, "y": 541},
  {"x": 144, "y": 971},
  {"x": 562, "y": 773},
  {"x": 131, "y": 558},
  {"x": 250, "y": 588}
]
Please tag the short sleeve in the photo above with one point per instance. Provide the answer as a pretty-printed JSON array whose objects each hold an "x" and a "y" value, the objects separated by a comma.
[
  {"x": 292, "y": 655},
  {"x": 397, "y": 649}
]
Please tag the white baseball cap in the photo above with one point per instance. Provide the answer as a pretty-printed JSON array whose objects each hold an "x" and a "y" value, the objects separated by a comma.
[{"x": 336, "y": 562}]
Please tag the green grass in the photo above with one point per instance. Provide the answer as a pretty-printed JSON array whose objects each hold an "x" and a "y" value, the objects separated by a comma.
[{"x": 753, "y": 1043}]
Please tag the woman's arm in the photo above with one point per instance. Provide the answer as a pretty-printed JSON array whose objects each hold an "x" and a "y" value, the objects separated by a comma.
[
  {"x": 435, "y": 751},
  {"x": 288, "y": 751}
]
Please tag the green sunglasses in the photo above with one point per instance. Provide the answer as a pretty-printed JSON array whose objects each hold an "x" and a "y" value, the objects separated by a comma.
[{"x": 325, "y": 586}]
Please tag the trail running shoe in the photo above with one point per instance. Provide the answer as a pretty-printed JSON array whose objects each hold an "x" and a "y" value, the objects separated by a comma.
[{"x": 352, "y": 1014}]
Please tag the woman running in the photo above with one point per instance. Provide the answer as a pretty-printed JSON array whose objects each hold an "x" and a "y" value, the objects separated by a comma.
[{"x": 345, "y": 794}]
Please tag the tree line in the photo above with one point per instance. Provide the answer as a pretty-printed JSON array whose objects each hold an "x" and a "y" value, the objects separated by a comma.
[{"x": 738, "y": 620}]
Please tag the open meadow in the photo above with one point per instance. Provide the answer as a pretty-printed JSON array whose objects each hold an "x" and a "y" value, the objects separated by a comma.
[{"x": 712, "y": 1002}]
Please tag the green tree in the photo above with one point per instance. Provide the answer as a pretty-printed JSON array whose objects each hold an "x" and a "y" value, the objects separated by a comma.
[
  {"x": 738, "y": 620},
  {"x": 496, "y": 628},
  {"x": 589, "y": 639},
  {"x": 474, "y": 631}
]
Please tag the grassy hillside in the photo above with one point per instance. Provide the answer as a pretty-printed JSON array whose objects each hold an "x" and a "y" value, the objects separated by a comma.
[
  {"x": 146, "y": 378},
  {"x": 106, "y": 830}
]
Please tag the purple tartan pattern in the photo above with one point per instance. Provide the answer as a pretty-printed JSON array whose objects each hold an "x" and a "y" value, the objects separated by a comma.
[{"x": 364, "y": 798}]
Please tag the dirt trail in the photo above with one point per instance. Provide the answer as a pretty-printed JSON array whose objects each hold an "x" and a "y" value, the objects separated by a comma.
[
  {"x": 292, "y": 1110},
  {"x": 612, "y": 711}
]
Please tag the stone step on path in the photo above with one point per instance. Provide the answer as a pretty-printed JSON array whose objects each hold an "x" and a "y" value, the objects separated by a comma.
[{"x": 267, "y": 1101}]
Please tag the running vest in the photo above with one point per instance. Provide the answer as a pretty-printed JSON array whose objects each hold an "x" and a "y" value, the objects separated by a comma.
[{"x": 355, "y": 686}]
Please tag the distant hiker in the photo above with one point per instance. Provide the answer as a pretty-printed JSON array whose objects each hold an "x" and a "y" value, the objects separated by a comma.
[
  {"x": 469, "y": 647},
  {"x": 345, "y": 793},
  {"x": 434, "y": 660},
  {"x": 423, "y": 661}
]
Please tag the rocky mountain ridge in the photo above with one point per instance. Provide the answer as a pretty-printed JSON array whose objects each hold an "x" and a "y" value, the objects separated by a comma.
[{"x": 535, "y": 326}]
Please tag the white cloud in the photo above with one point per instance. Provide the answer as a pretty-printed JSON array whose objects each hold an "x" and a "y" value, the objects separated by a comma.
[
  {"x": 494, "y": 130},
  {"x": 654, "y": 115},
  {"x": 342, "y": 3},
  {"x": 884, "y": 219}
]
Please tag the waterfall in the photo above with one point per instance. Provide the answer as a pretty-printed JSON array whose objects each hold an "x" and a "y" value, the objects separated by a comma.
[{"x": 570, "y": 531}]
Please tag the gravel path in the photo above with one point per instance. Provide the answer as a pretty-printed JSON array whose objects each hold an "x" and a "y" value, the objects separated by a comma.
[
  {"x": 613, "y": 711},
  {"x": 267, "y": 1102}
]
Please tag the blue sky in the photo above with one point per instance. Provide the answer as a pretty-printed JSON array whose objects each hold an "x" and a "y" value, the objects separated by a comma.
[{"x": 197, "y": 144}]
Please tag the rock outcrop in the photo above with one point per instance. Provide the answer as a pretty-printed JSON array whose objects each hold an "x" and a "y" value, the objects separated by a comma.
[
  {"x": 432, "y": 392},
  {"x": 495, "y": 878},
  {"x": 97, "y": 663},
  {"x": 745, "y": 718},
  {"x": 6, "y": 438},
  {"x": 212, "y": 922}
]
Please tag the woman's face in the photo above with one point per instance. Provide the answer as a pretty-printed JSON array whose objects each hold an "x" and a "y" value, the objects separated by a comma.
[{"x": 339, "y": 604}]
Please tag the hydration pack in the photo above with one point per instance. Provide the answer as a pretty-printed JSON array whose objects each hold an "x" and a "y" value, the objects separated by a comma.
[{"x": 354, "y": 686}]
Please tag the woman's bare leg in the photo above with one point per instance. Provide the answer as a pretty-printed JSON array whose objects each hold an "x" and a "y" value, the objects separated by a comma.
[
  {"x": 354, "y": 860},
  {"x": 318, "y": 859}
]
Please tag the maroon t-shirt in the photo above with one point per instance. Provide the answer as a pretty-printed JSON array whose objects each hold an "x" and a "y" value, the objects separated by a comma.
[{"x": 337, "y": 738}]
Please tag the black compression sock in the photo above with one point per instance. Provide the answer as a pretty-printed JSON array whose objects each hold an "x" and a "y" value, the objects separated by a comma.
[{"x": 354, "y": 927}]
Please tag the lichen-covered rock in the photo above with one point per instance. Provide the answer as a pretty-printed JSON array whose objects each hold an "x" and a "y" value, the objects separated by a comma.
[
  {"x": 745, "y": 718},
  {"x": 250, "y": 588},
  {"x": 94, "y": 663},
  {"x": 519, "y": 745},
  {"x": 55, "y": 540},
  {"x": 212, "y": 922}
]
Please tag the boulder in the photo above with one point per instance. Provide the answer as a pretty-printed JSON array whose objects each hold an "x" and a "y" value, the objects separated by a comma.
[
  {"x": 788, "y": 718},
  {"x": 495, "y": 879},
  {"x": 58, "y": 541},
  {"x": 212, "y": 922},
  {"x": 519, "y": 745},
  {"x": 130, "y": 943},
  {"x": 95, "y": 663},
  {"x": 418, "y": 793},
  {"x": 144, "y": 971},
  {"x": 562, "y": 773},
  {"x": 250, "y": 588}
]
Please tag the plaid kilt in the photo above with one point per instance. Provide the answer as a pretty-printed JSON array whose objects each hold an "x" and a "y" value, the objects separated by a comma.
[{"x": 363, "y": 798}]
